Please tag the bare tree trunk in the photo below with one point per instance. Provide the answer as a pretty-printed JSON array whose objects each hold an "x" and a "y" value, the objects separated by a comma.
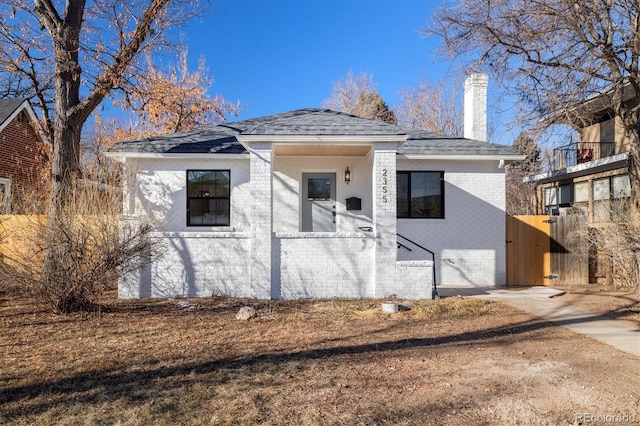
[
  {"x": 56, "y": 270},
  {"x": 66, "y": 157},
  {"x": 116, "y": 33},
  {"x": 637, "y": 270}
]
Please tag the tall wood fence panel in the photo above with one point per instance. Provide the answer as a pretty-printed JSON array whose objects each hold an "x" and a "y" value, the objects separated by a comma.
[
  {"x": 19, "y": 236},
  {"x": 528, "y": 250},
  {"x": 546, "y": 250},
  {"x": 569, "y": 250}
]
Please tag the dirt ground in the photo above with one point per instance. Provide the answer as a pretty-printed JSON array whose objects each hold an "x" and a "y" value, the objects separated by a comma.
[
  {"x": 452, "y": 361},
  {"x": 603, "y": 300}
]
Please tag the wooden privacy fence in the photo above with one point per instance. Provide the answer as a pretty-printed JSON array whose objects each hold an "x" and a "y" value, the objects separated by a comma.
[
  {"x": 20, "y": 234},
  {"x": 546, "y": 250}
]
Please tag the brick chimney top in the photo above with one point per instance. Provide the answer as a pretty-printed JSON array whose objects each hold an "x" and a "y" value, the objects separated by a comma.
[{"x": 475, "y": 107}]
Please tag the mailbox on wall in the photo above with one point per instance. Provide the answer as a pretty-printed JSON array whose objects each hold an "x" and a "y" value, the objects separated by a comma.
[{"x": 354, "y": 203}]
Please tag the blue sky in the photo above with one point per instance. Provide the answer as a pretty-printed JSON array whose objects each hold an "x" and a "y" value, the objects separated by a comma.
[{"x": 279, "y": 55}]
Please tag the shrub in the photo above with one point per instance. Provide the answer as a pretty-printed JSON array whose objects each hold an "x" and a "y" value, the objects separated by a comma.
[{"x": 68, "y": 259}]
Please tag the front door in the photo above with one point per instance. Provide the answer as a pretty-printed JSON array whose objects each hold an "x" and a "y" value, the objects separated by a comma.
[{"x": 318, "y": 202}]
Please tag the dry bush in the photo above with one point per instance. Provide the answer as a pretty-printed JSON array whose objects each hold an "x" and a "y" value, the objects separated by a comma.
[
  {"x": 615, "y": 237},
  {"x": 68, "y": 259}
]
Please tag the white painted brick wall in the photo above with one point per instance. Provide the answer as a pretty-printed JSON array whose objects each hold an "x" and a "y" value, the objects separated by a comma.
[
  {"x": 196, "y": 264},
  {"x": 261, "y": 220},
  {"x": 324, "y": 265},
  {"x": 470, "y": 242},
  {"x": 198, "y": 260},
  {"x": 161, "y": 193},
  {"x": 384, "y": 217},
  {"x": 414, "y": 279}
]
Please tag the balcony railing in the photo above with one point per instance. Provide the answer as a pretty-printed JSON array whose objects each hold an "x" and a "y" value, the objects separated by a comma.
[{"x": 581, "y": 152}]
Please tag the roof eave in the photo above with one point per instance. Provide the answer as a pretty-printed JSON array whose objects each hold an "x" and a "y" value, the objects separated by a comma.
[
  {"x": 28, "y": 109},
  {"x": 123, "y": 156},
  {"x": 593, "y": 104},
  {"x": 507, "y": 158},
  {"x": 246, "y": 140}
]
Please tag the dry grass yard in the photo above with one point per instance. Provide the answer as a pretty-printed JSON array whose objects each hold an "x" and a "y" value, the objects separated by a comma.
[{"x": 452, "y": 361}]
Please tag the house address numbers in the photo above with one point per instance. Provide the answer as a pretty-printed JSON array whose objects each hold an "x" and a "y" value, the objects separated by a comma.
[{"x": 385, "y": 173}]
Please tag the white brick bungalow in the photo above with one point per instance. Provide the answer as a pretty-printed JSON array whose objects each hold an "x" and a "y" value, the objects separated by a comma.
[{"x": 316, "y": 203}]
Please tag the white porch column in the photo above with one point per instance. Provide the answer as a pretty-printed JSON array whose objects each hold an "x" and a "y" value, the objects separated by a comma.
[
  {"x": 384, "y": 217},
  {"x": 261, "y": 169}
]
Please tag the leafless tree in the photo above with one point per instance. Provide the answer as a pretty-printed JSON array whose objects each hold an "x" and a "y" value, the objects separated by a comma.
[
  {"x": 520, "y": 195},
  {"x": 431, "y": 107},
  {"x": 555, "y": 54},
  {"x": 67, "y": 57},
  {"x": 174, "y": 100},
  {"x": 612, "y": 241},
  {"x": 357, "y": 95}
]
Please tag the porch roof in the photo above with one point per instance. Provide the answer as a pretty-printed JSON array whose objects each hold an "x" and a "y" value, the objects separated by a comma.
[{"x": 223, "y": 139}]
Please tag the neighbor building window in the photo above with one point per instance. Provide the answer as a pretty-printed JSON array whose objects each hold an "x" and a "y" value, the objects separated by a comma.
[
  {"x": 420, "y": 195},
  {"x": 5, "y": 196},
  {"x": 620, "y": 186},
  {"x": 556, "y": 197},
  {"x": 551, "y": 200},
  {"x": 208, "y": 197},
  {"x": 611, "y": 196},
  {"x": 601, "y": 190},
  {"x": 581, "y": 192}
]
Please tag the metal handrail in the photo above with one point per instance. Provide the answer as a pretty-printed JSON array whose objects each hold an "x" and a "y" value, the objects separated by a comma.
[
  {"x": 581, "y": 152},
  {"x": 402, "y": 245},
  {"x": 434, "y": 293}
]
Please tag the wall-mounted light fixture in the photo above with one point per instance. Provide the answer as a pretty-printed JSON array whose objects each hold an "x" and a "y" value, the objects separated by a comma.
[{"x": 347, "y": 175}]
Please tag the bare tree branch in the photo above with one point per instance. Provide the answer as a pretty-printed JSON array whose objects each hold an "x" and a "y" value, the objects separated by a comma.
[
  {"x": 92, "y": 49},
  {"x": 357, "y": 95}
]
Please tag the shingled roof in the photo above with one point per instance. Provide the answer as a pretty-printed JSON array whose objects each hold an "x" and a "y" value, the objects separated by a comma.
[
  {"x": 222, "y": 139},
  {"x": 8, "y": 107},
  {"x": 421, "y": 142}
]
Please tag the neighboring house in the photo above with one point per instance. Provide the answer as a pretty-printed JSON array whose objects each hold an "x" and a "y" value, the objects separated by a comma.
[
  {"x": 590, "y": 173},
  {"x": 19, "y": 149},
  {"x": 316, "y": 203},
  {"x": 590, "y": 176}
]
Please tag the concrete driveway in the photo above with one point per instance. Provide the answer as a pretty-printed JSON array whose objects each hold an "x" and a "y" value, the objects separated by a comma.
[{"x": 538, "y": 301}]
